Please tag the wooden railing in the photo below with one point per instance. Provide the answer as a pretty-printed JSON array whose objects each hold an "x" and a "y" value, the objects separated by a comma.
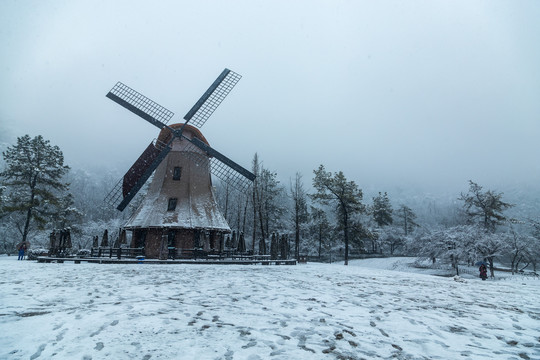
[{"x": 118, "y": 253}]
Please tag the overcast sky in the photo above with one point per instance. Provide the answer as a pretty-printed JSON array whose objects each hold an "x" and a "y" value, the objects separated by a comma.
[{"x": 427, "y": 94}]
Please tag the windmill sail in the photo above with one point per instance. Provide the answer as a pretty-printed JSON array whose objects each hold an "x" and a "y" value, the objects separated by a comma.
[
  {"x": 210, "y": 100},
  {"x": 139, "y": 168},
  {"x": 221, "y": 166},
  {"x": 134, "y": 179},
  {"x": 140, "y": 105}
]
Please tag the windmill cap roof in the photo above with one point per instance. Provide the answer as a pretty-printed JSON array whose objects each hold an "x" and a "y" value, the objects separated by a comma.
[{"x": 165, "y": 134}]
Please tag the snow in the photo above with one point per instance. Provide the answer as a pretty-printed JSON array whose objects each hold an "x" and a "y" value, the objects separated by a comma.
[{"x": 313, "y": 311}]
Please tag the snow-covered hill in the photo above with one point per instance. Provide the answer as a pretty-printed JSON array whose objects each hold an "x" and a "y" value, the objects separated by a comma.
[{"x": 313, "y": 311}]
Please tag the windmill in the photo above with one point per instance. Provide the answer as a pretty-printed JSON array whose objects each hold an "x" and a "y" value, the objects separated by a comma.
[{"x": 179, "y": 210}]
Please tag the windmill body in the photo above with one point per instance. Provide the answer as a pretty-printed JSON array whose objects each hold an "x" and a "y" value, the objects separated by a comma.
[{"x": 179, "y": 212}]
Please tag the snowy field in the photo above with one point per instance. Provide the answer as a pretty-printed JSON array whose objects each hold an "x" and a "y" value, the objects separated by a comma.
[{"x": 373, "y": 309}]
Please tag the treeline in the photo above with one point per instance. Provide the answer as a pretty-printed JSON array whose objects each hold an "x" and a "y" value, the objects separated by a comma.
[
  {"x": 326, "y": 216},
  {"x": 334, "y": 220}
]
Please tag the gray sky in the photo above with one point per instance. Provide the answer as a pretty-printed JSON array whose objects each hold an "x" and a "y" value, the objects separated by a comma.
[{"x": 425, "y": 94}]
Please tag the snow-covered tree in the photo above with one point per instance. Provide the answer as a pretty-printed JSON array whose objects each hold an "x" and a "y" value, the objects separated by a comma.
[
  {"x": 299, "y": 211},
  {"x": 90, "y": 188},
  {"x": 67, "y": 215},
  {"x": 33, "y": 179},
  {"x": 490, "y": 245},
  {"x": 320, "y": 229},
  {"x": 381, "y": 210},
  {"x": 454, "y": 245},
  {"x": 406, "y": 219},
  {"x": 344, "y": 195},
  {"x": 532, "y": 253},
  {"x": 390, "y": 238},
  {"x": 517, "y": 243},
  {"x": 256, "y": 168},
  {"x": 3, "y": 200},
  {"x": 234, "y": 205},
  {"x": 268, "y": 204},
  {"x": 484, "y": 207}
]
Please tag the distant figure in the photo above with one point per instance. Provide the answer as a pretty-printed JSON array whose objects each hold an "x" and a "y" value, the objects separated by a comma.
[
  {"x": 483, "y": 271},
  {"x": 22, "y": 249}
]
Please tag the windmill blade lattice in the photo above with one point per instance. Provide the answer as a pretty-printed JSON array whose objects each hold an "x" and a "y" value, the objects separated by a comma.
[
  {"x": 140, "y": 105},
  {"x": 211, "y": 99},
  {"x": 114, "y": 197},
  {"x": 228, "y": 175},
  {"x": 133, "y": 180},
  {"x": 219, "y": 169}
]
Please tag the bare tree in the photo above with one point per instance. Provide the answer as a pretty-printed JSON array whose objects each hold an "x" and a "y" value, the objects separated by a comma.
[{"x": 407, "y": 219}]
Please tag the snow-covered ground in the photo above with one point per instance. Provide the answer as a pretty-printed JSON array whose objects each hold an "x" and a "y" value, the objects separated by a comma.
[{"x": 314, "y": 311}]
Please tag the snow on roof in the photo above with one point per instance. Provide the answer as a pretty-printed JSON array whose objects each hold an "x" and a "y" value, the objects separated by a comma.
[
  {"x": 196, "y": 207},
  {"x": 196, "y": 213}
]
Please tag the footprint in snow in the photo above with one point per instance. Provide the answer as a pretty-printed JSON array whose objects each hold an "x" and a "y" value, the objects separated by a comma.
[
  {"x": 60, "y": 336},
  {"x": 249, "y": 344},
  {"x": 38, "y": 352}
]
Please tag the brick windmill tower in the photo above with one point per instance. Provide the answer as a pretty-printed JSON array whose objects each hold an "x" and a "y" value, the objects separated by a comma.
[{"x": 179, "y": 211}]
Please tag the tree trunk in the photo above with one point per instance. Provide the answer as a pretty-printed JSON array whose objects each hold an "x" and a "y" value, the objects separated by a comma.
[
  {"x": 297, "y": 237},
  {"x": 491, "y": 267},
  {"x": 405, "y": 221},
  {"x": 261, "y": 222},
  {"x": 346, "y": 234},
  {"x": 238, "y": 216},
  {"x": 226, "y": 200},
  {"x": 245, "y": 215},
  {"x": 254, "y": 219},
  {"x": 320, "y": 242},
  {"x": 29, "y": 212}
]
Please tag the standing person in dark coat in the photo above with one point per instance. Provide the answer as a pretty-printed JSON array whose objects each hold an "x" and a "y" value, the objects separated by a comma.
[
  {"x": 22, "y": 247},
  {"x": 483, "y": 271}
]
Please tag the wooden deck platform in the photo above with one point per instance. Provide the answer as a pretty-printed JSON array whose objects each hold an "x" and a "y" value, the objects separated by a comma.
[{"x": 102, "y": 260}]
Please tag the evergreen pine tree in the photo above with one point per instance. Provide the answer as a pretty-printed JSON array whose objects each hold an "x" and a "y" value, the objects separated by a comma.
[
  {"x": 382, "y": 210},
  {"x": 33, "y": 182},
  {"x": 343, "y": 194}
]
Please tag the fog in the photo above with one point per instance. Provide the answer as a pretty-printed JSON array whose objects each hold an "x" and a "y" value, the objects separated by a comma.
[{"x": 420, "y": 94}]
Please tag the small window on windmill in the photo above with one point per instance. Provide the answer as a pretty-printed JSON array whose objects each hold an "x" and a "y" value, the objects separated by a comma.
[
  {"x": 177, "y": 172},
  {"x": 172, "y": 204}
]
